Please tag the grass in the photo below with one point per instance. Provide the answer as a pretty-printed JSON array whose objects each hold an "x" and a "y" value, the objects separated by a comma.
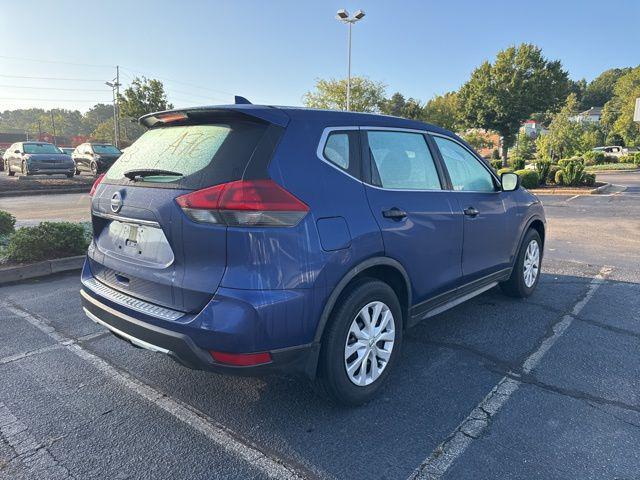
[{"x": 611, "y": 166}]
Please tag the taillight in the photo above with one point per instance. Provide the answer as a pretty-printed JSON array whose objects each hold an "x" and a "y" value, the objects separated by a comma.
[
  {"x": 241, "y": 359},
  {"x": 244, "y": 203},
  {"x": 95, "y": 184}
]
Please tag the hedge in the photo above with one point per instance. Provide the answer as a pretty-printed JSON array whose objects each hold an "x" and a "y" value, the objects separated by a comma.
[
  {"x": 47, "y": 241},
  {"x": 7, "y": 223},
  {"x": 594, "y": 158},
  {"x": 528, "y": 178},
  {"x": 505, "y": 170}
]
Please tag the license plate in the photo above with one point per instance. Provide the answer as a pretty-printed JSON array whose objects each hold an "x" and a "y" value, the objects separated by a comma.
[{"x": 132, "y": 237}]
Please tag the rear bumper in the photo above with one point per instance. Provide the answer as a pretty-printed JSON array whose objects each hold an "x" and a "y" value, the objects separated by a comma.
[{"x": 181, "y": 347}]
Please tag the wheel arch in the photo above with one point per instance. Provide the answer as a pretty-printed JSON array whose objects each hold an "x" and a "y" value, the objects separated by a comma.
[{"x": 386, "y": 269}]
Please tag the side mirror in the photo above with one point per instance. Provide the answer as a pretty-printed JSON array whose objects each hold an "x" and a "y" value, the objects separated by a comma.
[
  {"x": 17, "y": 151},
  {"x": 510, "y": 182}
]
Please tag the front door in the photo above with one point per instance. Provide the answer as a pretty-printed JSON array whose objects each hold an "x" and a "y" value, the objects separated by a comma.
[
  {"x": 486, "y": 245},
  {"x": 420, "y": 222}
]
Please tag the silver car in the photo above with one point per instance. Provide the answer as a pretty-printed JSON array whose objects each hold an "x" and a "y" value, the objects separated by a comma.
[{"x": 36, "y": 158}]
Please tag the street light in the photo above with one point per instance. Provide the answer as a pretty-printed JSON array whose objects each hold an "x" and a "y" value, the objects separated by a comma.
[
  {"x": 344, "y": 17},
  {"x": 115, "y": 90}
]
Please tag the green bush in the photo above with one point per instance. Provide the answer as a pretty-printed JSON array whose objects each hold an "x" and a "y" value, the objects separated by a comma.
[
  {"x": 627, "y": 159},
  {"x": 497, "y": 164},
  {"x": 559, "y": 177},
  {"x": 565, "y": 161},
  {"x": 7, "y": 223},
  {"x": 528, "y": 178},
  {"x": 504, "y": 170},
  {"x": 551, "y": 177},
  {"x": 589, "y": 179},
  {"x": 611, "y": 159},
  {"x": 46, "y": 241},
  {"x": 543, "y": 167},
  {"x": 594, "y": 158},
  {"x": 636, "y": 158},
  {"x": 517, "y": 163},
  {"x": 573, "y": 174}
]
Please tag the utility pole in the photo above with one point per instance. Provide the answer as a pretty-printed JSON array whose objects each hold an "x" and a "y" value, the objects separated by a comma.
[
  {"x": 53, "y": 125},
  {"x": 115, "y": 90}
]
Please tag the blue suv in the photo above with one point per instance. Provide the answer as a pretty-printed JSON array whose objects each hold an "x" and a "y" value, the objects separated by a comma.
[{"x": 249, "y": 239}]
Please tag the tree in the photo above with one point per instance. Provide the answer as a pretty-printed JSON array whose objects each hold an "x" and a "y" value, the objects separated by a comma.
[
  {"x": 442, "y": 110},
  {"x": 617, "y": 116},
  {"x": 104, "y": 132},
  {"x": 500, "y": 96},
  {"x": 143, "y": 96},
  {"x": 525, "y": 147},
  {"x": 600, "y": 90},
  {"x": 99, "y": 113},
  {"x": 565, "y": 136},
  {"x": 394, "y": 105},
  {"x": 477, "y": 139},
  {"x": 366, "y": 95}
]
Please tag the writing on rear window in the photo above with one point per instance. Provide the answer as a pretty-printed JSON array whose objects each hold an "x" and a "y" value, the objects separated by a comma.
[{"x": 185, "y": 149}]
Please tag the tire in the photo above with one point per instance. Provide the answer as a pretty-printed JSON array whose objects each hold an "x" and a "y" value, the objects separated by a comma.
[
  {"x": 333, "y": 379},
  {"x": 519, "y": 284},
  {"x": 94, "y": 169},
  {"x": 9, "y": 171}
]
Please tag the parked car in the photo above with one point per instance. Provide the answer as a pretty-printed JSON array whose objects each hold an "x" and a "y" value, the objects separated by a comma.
[
  {"x": 34, "y": 158},
  {"x": 67, "y": 150},
  {"x": 249, "y": 239},
  {"x": 95, "y": 157},
  {"x": 2, "y": 162},
  {"x": 612, "y": 150}
]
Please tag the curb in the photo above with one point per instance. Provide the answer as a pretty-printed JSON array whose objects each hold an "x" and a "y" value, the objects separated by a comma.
[
  {"x": 47, "y": 191},
  {"x": 40, "y": 269},
  {"x": 628, "y": 170},
  {"x": 570, "y": 191}
]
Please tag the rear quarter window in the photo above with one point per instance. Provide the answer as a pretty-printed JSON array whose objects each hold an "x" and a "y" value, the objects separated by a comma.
[{"x": 205, "y": 154}]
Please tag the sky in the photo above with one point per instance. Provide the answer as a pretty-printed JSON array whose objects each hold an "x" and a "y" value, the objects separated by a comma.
[{"x": 272, "y": 52}]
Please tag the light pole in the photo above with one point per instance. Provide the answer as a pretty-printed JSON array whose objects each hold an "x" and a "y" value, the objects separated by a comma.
[{"x": 344, "y": 17}]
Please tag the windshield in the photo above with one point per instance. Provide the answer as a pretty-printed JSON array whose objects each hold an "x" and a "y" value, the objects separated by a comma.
[
  {"x": 106, "y": 149},
  {"x": 35, "y": 148},
  {"x": 201, "y": 155}
]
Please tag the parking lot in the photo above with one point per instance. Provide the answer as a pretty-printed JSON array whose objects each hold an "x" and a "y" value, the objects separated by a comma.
[{"x": 546, "y": 387}]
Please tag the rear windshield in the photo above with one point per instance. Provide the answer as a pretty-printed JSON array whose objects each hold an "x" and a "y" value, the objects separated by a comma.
[
  {"x": 35, "y": 148},
  {"x": 204, "y": 155},
  {"x": 105, "y": 149}
]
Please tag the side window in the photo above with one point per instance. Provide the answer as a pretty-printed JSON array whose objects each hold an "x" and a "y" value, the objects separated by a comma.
[
  {"x": 402, "y": 161},
  {"x": 342, "y": 149},
  {"x": 465, "y": 170}
]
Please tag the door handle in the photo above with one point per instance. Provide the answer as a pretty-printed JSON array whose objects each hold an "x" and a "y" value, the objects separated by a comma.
[
  {"x": 394, "y": 213},
  {"x": 471, "y": 212}
]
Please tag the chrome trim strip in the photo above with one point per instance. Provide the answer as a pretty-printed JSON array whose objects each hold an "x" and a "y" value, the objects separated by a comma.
[
  {"x": 120, "y": 333},
  {"x": 149, "y": 223},
  {"x": 130, "y": 302}
]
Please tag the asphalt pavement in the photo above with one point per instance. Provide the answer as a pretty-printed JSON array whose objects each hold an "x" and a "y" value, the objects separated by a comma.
[{"x": 546, "y": 387}]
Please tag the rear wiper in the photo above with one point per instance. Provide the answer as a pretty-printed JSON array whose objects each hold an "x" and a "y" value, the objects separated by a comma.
[{"x": 140, "y": 173}]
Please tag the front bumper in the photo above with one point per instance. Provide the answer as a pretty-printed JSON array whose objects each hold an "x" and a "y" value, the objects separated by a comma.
[{"x": 182, "y": 348}]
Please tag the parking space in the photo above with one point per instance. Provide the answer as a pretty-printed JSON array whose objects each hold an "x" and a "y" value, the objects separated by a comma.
[{"x": 540, "y": 388}]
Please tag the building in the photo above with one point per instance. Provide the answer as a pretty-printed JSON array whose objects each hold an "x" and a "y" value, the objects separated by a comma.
[
  {"x": 588, "y": 116},
  {"x": 533, "y": 129}
]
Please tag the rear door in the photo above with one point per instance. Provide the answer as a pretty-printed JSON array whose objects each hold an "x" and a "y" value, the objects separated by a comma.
[
  {"x": 144, "y": 243},
  {"x": 486, "y": 243},
  {"x": 420, "y": 223}
]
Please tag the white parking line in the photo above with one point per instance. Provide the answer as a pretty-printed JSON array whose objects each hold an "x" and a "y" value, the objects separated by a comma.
[
  {"x": 472, "y": 427},
  {"x": 221, "y": 436}
]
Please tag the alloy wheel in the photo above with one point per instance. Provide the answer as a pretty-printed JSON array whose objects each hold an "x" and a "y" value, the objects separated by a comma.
[
  {"x": 531, "y": 263},
  {"x": 369, "y": 343}
]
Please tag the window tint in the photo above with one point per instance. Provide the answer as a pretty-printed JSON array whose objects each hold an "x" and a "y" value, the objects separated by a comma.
[
  {"x": 336, "y": 150},
  {"x": 106, "y": 149},
  {"x": 465, "y": 171},
  {"x": 402, "y": 160},
  {"x": 35, "y": 148}
]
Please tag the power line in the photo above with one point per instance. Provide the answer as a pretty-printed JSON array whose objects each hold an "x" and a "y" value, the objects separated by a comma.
[
  {"x": 54, "y": 88},
  {"x": 178, "y": 81},
  {"x": 56, "y": 61},
  {"x": 56, "y": 99},
  {"x": 53, "y": 78}
]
